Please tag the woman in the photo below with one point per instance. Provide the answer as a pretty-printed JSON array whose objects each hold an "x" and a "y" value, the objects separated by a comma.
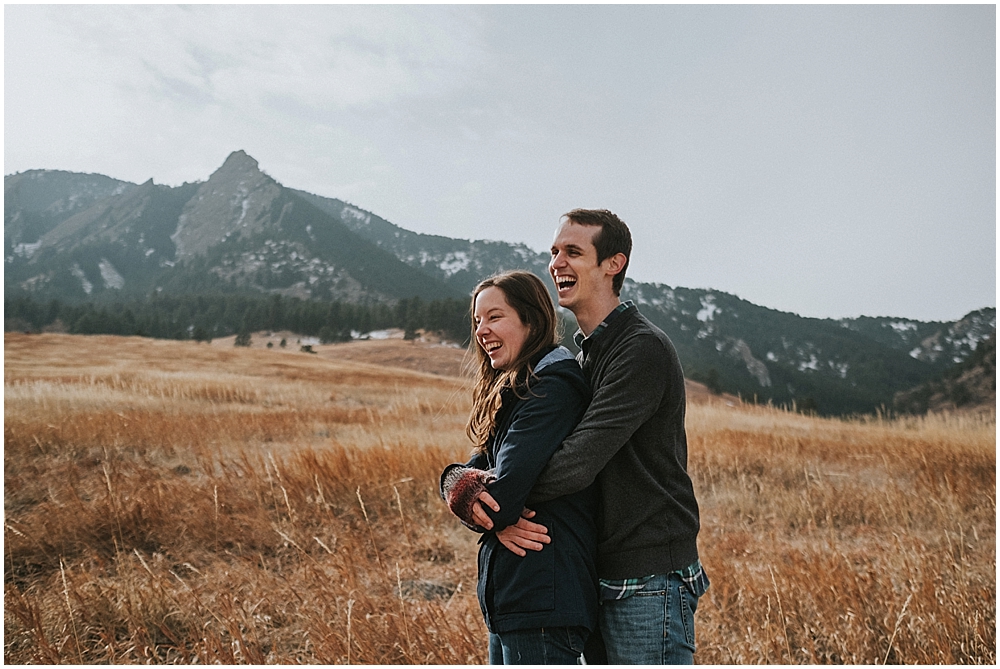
[{"x": 528, "y": 396}]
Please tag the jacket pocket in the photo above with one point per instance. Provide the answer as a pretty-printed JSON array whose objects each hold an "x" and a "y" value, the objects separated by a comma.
[{"x": 522, "y": 585}]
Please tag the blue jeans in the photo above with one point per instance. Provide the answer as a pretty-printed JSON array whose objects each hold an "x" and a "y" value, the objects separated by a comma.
[
  {"x": 653, "y": 626},
  {"x": 546, "y": 645}
]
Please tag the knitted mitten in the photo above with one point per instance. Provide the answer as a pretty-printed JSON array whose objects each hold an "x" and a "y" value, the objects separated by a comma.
[{"x": 461, "y": 487}]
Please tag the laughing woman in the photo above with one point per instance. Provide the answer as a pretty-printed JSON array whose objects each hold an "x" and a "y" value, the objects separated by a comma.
[{"x": 529, "y": 394}]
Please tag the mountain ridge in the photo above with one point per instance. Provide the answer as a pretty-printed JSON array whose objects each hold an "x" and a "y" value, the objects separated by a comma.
[{"x": 97, "y": 238}]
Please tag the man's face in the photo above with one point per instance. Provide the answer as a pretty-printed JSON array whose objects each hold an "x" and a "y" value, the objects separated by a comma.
[{"x": 573, "y": 265}]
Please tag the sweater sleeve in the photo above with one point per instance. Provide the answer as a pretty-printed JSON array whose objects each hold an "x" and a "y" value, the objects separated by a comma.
[
  {"x": 627, "y": 395},
  {"x": 539, "y": 425}
]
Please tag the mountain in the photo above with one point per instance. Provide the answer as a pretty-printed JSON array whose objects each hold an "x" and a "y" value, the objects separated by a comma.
[
  {"x": 37, "y": 201},
  {"x": 460, "y": 263},
  {"x": 968, "y": 386},
  {"x": 833, "y": 365},
  {"x": 238, "y": 231},
  {"x": 84, "y": 237}
]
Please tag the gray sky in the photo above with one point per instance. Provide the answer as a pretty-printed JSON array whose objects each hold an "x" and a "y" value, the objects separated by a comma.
[{"x": 826, "y": 160}]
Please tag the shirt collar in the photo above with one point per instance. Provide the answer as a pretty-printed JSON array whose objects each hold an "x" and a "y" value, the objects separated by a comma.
[{"x": 578, "y": 337}]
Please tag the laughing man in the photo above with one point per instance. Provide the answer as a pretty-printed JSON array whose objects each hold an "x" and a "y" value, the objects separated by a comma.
[{"x": 632, "y": 442}]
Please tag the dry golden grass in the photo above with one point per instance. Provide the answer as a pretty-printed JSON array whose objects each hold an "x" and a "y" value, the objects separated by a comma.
[{"x": 175, "y": 502}]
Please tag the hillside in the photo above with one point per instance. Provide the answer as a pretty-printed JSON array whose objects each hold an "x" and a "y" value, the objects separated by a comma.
[
  {"x": 238, "y": 231},
  {"x": 968, "y": 386},
  {"x": 87, "y": 238}
]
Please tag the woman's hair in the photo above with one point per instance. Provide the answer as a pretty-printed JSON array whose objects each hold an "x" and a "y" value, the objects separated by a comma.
[{"x": 526, "y": 295}]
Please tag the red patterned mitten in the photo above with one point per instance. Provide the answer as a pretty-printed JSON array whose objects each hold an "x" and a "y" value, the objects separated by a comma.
[{"x": 461, "y": 487}]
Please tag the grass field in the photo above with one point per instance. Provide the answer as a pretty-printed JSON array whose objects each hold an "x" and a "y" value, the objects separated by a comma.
[{"x": 179, "y": 502}]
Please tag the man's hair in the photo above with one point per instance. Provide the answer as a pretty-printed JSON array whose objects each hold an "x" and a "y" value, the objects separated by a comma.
[{"x": 613, "y": 237}]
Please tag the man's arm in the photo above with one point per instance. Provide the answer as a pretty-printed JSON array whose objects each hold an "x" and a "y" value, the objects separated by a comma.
[
  {"x": 538, "y": 428},
  {"x": 629, "y": 393}
]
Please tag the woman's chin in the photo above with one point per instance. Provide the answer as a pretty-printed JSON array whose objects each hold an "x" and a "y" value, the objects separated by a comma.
[{"x": 499, "y": 365}]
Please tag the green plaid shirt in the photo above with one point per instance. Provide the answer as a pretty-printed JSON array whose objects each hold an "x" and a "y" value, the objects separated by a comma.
[
  {"x": 692, "y": 574},
  {"x": 578, "y": 335}
]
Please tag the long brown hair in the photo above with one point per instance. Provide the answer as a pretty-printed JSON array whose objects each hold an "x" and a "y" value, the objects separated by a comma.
[{"x": 526, "y": 295}]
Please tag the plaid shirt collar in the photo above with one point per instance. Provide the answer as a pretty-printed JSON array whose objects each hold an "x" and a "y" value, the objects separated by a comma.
[{"x": 578, "y": 337}]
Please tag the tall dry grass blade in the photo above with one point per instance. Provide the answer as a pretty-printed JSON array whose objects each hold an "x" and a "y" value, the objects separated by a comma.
[
  {"x": 406, "y": 529},
  {"x": 320, "y": 500},
  {"x": 69, "y": 612},
  {"x": 293, "y": 543},
  {"x": 350, "y": 606},
  {"x": 402, "y": 611},
  {"x": 784, "y": 621},
  {"x": 215, "y": 523},
  {"x": 364, "y": 512},
  {"x": 288, "y": 505},
  {"x": 143, "y": 562},
  {"x": 899, "y": 619}
]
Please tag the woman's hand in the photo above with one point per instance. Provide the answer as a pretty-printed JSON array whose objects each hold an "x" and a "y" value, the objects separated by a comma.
[{"x": 479, "y": 516}]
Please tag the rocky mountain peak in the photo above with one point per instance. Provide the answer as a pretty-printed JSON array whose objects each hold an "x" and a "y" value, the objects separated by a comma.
[
  {"x": 238, "y": 162},
  {"x": 236, "y": 200}
]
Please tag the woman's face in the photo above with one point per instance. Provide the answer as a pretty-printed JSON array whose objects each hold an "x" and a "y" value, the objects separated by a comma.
[{"x": 499, "y": 330}]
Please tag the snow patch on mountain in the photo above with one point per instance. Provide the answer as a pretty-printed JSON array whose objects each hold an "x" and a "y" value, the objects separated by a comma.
[
  {"x": 455, "y": 262},
  {"x": 708, "y": 309},
  {"x": 811, "y": 364},
  {"x": 840, "y": 368},
  {"x": 78, "y": 273},
  {"x": 26, "y": 250},
  {"x": 244, "y": 207},
  {"x": 112, "y": 279},
  {"x": 349, "y": 212}
]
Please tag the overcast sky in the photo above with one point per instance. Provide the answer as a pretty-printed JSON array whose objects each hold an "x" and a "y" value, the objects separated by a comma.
[{"x": 832, "y": 161}]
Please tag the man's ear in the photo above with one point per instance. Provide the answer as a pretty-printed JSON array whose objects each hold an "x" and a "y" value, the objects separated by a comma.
[{"x": 614, "y": 264}]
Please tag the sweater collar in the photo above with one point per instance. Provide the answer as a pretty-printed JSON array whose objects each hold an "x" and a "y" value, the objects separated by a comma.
[{"x": 578, "y": 337}]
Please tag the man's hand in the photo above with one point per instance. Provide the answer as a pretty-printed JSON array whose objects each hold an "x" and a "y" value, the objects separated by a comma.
[
  {"x": 524, "y": 534},
  {"x": 479, "y": 515}
]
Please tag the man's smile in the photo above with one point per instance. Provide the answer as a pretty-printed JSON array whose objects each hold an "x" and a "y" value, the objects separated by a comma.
[{"x": 564, "y": 282}]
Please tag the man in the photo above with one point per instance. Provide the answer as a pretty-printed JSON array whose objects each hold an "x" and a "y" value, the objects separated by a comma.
[{"x": 632, "y": 441}]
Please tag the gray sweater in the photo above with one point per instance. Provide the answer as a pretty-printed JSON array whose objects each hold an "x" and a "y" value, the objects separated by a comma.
[{"x": 632, "y": 442}]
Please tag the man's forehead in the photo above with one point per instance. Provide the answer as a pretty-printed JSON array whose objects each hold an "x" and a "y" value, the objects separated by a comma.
[{"x": 570, "y": 233}]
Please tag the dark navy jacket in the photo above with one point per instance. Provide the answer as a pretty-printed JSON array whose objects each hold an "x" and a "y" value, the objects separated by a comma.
[{"x": 557, "y": 586}]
